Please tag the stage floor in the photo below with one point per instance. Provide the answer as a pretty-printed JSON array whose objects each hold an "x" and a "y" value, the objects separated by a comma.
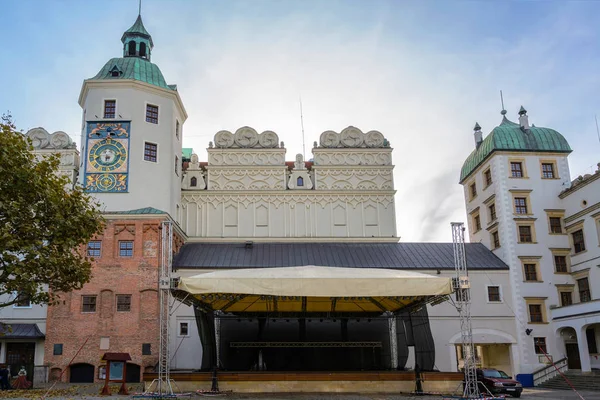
[{"x": 316, "y": 382}]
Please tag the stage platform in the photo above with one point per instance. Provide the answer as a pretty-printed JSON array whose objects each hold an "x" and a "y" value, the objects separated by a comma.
[{"x": 316, "y": 382}]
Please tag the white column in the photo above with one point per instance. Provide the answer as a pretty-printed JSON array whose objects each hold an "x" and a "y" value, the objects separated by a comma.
[
  {"x": 584, "y": 354},
  {"x": 514, "y": 359},
  {"x": 3, "y": 351},
  {"x": 453, "y": 358}
]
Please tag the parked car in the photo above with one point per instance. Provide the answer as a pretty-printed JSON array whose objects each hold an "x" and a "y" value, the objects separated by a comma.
[{"x": 498, "y": 382}]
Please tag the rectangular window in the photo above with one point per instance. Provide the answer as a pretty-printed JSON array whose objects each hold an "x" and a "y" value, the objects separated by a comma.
[
  {"x": 177, "y": 129},
  {"x": 494, "y": 294},
  {"x": 540, "y": 345},
  {"x": 183, "y": 329},
  {"x": 477, "y": 222},
  {"x": 125, "y": 248},
  {"x": 555, "y": 225},
  {"x": 520, "y": 205},
  {"x": 492, "y": 209},
  {"x": 590, "y": 333},
  {"x": 473, "y": 189},
  {"x": 176, "y": 165},
  {"x": 146, "y": 349},
  {"x": 110, "y": 108},
  {"x": 58, "y": 349},
  {"x": 560, "y": 264},
  {"x": 535, "y": 313},
  {"x": 525, "y": 235},
  {"x": 530, "y": 272},
  {"x": 548, "y": 170},
  {"x": 123, "y": 302},
  {"x": 22, "y": 300},
  {"x": 578, "y": 242},
  {"x": 516, "y": 169},
  {"x": 151, "y": 114},
  {"x": 150, "y": 151},
  {"x": 88, "y": 303},
  {"x": 495, "y": 239},
  {"x": 487, "y": 176},
  {"x": 566, "y": 298},
  {"x": 94, "y": 248},
  {"x": 584, "y": 290}
]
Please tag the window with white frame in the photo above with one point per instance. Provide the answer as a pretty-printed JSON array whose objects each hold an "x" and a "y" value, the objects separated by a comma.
[
  {"x": 184, "y": 329},
  {"x": 494, "y": 294}
]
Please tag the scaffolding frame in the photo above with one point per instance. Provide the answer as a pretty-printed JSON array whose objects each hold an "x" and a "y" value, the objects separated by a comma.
[
  {"x": 162, "y": 387},
  {"x": 462, "y": 287}
]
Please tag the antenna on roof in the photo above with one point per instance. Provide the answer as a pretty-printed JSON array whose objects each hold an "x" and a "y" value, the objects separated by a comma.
[
  {"x": 503, "y": 112},
  {"x": 302, "y": 125},
  {"x": 597, "y": 130}
]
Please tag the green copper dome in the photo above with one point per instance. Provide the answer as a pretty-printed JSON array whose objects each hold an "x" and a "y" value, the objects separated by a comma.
[
  {"x": 135, "y": 68},
  {"x": 137, "y": 29},
  {"x": 509, "y": 136}
]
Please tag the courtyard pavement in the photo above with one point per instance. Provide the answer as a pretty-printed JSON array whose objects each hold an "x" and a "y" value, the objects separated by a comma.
[{"x": 91, "y": 394}]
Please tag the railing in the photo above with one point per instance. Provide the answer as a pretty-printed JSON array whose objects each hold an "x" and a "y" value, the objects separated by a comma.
[{"x": 546, "y": 373}]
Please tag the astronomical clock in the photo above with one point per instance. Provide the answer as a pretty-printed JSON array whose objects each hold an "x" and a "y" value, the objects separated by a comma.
[{"x": 107, "y": 158}]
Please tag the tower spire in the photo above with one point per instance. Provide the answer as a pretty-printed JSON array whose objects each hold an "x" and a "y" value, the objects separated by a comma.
[{"x": 140, "y": 9}]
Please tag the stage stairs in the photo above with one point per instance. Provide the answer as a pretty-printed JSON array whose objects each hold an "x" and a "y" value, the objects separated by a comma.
[{"x": 580, "y": 381}]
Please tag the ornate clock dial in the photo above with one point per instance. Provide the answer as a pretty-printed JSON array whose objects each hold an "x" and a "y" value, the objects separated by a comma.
[
  {"x": 268, "y": 139},
  {"x": 246, "y": 137},
  {"x": 224, "y": 139},
  {"x": 352, "y": 137},
  {"x": 374, "y": 139},
  {"x": 107, "y": 155},
  {"x": 329, "y": 139}
]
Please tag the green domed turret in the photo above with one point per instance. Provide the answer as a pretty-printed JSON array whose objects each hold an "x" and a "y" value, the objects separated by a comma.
[
  {"x": 510, "y": 136},
  {"x": 135, "y": 63}
]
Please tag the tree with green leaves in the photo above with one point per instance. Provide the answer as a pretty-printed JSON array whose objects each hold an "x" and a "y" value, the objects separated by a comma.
[{"x": 44, "y": 225}]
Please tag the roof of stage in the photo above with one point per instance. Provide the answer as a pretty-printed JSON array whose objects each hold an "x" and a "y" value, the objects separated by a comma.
[
  {"x": 403, "y": 256},
  {"x": 313, "y": 289}
]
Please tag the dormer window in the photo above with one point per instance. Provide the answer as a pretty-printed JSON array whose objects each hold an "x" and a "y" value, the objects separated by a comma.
[
  {"x": 194, "y": 182},
  {"x": 300, "y": 181},
  {"x": 131, "y": 48},
  {"x": 115, "y": 72}
]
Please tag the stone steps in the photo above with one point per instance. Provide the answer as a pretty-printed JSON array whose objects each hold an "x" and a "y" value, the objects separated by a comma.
[{"x": 579, "y": 381}]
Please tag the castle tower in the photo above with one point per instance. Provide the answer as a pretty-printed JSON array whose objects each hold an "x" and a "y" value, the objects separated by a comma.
[
  {"x": 131, "y": 162},
  {"x": 511, "y": 182},
  {"x": 132, "y": 131}
]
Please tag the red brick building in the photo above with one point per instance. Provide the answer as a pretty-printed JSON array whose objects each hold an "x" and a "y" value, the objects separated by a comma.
[{"x": 117, "y": 311}]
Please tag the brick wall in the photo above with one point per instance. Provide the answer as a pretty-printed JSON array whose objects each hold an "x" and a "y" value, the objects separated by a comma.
[{"x": 112, "y": 275}]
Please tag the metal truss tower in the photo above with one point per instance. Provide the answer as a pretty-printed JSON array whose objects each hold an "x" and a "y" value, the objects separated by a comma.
[
  {"x": 462, "y": 287},
  {"x": 163, "y": 386}
]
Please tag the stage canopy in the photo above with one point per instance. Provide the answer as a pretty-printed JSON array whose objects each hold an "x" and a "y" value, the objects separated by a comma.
[{"x": 312, "y": 289}]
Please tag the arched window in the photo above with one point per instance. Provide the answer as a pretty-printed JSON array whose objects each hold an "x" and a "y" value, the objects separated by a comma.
[
  {"x": 300, "y": 181},
  {"x": 131, "y": 51},
  {"x": 193, "y": 181},
  {"x": 142, "y": 49}
]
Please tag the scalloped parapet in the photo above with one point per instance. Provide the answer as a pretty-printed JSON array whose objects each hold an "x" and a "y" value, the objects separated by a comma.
[{"x": 352, "y": 137}]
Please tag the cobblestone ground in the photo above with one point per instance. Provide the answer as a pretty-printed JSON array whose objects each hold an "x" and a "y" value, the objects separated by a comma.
[{"x": 89, "y": 392}]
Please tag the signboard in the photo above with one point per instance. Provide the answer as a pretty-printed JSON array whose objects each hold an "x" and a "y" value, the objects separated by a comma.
[{"x": 116, "y": 370}]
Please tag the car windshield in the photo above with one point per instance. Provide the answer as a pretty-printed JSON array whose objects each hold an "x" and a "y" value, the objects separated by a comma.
[
  {"x": 492, "y": 373},
  {"x": 504, "y": 374}
]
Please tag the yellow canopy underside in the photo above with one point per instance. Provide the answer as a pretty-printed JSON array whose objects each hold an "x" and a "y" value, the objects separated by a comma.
[
  {"x": 313, "y": 289},
  {"x": 235, "y": 303}
]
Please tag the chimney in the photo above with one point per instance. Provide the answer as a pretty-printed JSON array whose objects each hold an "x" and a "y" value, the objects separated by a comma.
[
  {"x": 478, "y": 135},
  {"x": 523, "y": 119}
]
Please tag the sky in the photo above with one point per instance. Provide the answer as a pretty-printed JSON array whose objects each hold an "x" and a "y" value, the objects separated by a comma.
[{"x": 420, "y": 72}]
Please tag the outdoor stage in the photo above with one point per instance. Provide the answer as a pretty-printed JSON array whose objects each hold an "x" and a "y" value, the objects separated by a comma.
[{"x": 316, "y": 382}]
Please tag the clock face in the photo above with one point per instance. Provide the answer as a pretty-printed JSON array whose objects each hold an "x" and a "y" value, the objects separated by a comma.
[
  {"x": 330, "y": 139},
  {"x": 374, "y": 139},
  {"x": 224, "y": 139},
  {"x": 246, "y": 137},
  {"x": 268, "y": 139},
  {"x": 352, "y": 137},
  {"x": 107, "y": 155}
]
